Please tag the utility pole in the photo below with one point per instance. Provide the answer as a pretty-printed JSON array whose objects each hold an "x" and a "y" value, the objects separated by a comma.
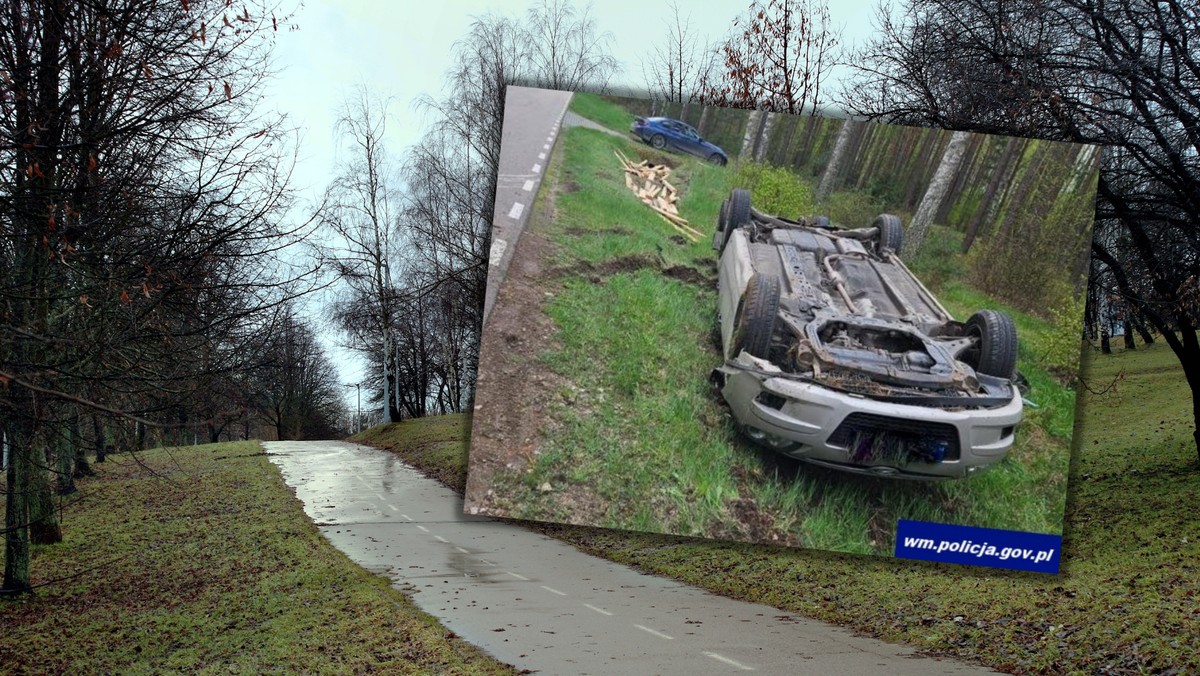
[{"x": 358, "y": 407}]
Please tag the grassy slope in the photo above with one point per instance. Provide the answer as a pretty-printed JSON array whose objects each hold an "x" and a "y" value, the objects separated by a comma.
[
  {"x": 597, "y": 109},
  {"x": 214, "y": 568},
  {"x": 1125, "y": 602},
  {"x": 639, "y": 427}
]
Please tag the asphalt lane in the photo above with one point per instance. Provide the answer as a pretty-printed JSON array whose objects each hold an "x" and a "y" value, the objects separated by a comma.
[
  {"x": 542, "y": 605},
  {"x": 531, "y": 123}
]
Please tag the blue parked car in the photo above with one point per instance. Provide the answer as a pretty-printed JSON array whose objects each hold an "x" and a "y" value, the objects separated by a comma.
[{"x": 665, "y": 133}]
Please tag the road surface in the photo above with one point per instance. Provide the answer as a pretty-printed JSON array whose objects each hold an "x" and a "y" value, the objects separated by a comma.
[
  {"x": 531, "y": 123},
  {"x": 539, "y": 604}
]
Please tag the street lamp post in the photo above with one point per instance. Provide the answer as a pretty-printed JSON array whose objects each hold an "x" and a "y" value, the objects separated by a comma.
[{"x": 358, "y": 406}]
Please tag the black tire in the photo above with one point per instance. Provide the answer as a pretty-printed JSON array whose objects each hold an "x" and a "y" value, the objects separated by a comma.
[
  {"x": 736, "y": 215},
  {"x": 658, "y": 141},
  {"x": 891, "y": 233},
  {"x": 717, "y": 159},
  {"x": 759, "y": 310},
  {"x": 996, "y": 354},
  {"x": 739, "y": 207}
]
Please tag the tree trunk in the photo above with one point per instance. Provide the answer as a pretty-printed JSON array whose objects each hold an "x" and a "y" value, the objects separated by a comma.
[
  {"x": 936, "y": 192},
  {"x": 64, "y": 478},
  {"x": 750, "y": 134},
  {"x": 702, "y": 125},
  {"x": 943, "y": 212},
  {"x": 1128, "y": 335},
  {"x": 101, "y": 441},
  {"x": 44, "y": 526},
  {"x": 1105, "y": 344},
  {"x": 833, "y": 167},
  {"x": 764, "y": 136},
  {"x": 82, "y": 468},
  {"x": 1143, "y": 331},
  {"x": 16, "y": 517}
]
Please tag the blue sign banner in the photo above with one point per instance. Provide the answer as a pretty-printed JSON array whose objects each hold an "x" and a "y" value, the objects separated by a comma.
[{"x": 948, "y": 543}]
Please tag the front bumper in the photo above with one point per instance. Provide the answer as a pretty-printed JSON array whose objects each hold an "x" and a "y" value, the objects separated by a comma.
[{"x": 857, "y": 434}]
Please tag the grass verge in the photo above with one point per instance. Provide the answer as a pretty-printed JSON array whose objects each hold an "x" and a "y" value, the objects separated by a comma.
[
  {"x": 211, "y": 567},
  {"x": 596, "y": 108},
  {"x": 1124, "y": 603}
]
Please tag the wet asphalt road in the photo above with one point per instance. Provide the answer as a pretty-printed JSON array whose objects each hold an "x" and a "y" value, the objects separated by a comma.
[
  {"x": 539, "y": 604},
  {"x": 531, "y": 124}
]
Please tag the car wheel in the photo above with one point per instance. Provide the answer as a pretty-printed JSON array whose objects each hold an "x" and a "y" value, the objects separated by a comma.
[
  {"x": 658, "y": 141},
  {"x": 739, "y": 207},
  {"x": 996, "y": 354},
  {"x": 716, "y": 159},
  {"x": 759, "y": 310},
  {"x": 891, "y": 233}
]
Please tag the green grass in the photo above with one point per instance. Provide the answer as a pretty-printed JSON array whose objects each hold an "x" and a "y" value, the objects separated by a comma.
[
  {"x": 438, "y": 444},
  {"x": 213, "y": 569},
  {"x": 1124, "y": 603},
  {"x": 639, "y": 424},
  {"x": 598, "y": 109}
]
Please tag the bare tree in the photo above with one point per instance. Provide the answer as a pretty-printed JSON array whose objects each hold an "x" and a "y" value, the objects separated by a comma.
[
  {"x": 565, "y": 49},
  {"x": 780, "y": 58},
  {"x": 679, "y": 65},
  {"x": 360, "y": 208}
]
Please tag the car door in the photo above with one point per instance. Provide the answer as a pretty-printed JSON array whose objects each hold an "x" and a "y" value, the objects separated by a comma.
[
  {"x": 676, "y": 139},
  {"x": 695, "y": 145}
]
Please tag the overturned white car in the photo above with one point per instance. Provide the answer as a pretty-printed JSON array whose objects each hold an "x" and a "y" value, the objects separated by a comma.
[{"x": 836, "y": 354}]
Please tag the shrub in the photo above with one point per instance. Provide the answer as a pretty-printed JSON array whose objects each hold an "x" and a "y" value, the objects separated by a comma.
[
  {"x": 776, "y": 190},
  {"x": 852, "y": 209}
]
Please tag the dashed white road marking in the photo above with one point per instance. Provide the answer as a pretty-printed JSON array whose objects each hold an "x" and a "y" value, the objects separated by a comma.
[
  {"x": 516, "y": 210},
  {"x": 519, "y": 577},
  {"x": 462, "y": 550},
  {"x": 546, "y": 147},
  {"x": 380, "y": 497},
  {"x": 553, "y": 590},
  {"x": 393, "y": 508},
  {"x": 726, "y": 660},
  {"x": 599, "y": 610},
  {"x": 537, "y": 168},
  {"x": 423, "y": 528},
  {"x": 528, "y": 186},
  {"x": 407, "y": 517},
  {"x": 439, "y": 538},
  {"x": 659, "y": 634},
  {"x": 541, "y": 156},
  {"x": 497, "y": 252},
  {"x": 486, "y": 562}
]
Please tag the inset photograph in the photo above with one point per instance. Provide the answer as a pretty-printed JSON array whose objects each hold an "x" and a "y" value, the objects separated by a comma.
[{"x": 791, "y": 330}]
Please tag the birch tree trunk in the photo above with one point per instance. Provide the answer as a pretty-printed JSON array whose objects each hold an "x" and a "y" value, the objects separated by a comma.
[
  {"x": 938, "y": 188},
  {"x": 768, "y": 121},
  {"x": 835, "y": 161},
  {"x": 750, "y": 135}
]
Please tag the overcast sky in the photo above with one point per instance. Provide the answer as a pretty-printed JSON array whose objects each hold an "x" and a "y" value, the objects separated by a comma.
[{"x": 401, "y": 50}]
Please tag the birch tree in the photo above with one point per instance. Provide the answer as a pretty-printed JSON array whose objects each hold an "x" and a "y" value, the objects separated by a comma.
[
  {"x": 937, "y": 191},
  {"x": 361, "y": 210}
]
